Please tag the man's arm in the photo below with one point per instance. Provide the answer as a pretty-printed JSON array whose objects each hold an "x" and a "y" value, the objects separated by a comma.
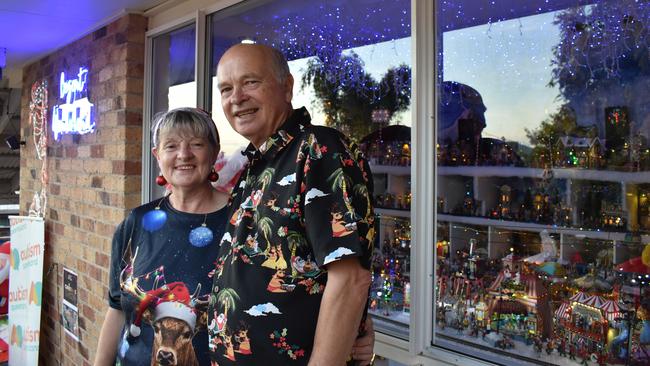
[{"x": 340, "y": 312}]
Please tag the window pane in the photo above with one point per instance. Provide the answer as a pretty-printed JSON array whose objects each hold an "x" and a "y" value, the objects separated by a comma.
[
  {"x": 351, "y": 66},
  {"x": 542, "y": 180},
  {"x": 173, "y": 82}
]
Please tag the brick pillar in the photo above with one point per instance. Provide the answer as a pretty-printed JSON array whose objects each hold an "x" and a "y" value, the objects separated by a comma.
[{"x": 93, "y": 178}]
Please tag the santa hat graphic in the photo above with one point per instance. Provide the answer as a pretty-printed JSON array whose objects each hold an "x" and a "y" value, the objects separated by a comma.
[{"x": 169, "y": 301}]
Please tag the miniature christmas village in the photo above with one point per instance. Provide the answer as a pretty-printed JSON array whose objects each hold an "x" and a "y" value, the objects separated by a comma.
[
  {"x": 544, "y": 307},
  {"x": 540, "y": 251}
]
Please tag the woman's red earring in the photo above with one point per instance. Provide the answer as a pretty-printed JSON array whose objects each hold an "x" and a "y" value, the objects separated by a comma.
[
  {"x": 160, "y": 180},
  {"x": 213, "y": 176}
]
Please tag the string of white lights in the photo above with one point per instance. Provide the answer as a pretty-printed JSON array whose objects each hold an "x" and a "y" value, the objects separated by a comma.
[{"x": 38, "y": 119}]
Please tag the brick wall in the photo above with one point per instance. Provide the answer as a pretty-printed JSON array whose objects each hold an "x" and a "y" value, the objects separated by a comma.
[{"x": 93, "y": 179}]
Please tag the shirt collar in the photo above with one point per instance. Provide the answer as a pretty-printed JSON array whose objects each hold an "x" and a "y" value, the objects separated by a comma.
[{"x": 298, "y": 120}]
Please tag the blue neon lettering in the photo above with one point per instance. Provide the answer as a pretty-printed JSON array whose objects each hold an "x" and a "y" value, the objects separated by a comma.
[{"x": 76, "y": 114}]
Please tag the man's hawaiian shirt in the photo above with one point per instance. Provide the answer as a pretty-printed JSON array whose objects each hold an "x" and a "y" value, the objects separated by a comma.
[{"x": 300, "y": 204}]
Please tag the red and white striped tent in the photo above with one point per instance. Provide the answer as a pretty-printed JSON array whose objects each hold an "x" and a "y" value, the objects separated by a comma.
[
  {"x": 594, "y": 301},
  {"x": 463, "y": 286},
  {"x": 579, "y": 297},
  {"x": 497, "y": 282},
  {"x": 459, "y": 284},
  {"x": 533, "y": 287},
  {"x": 611, "y": 309},
  {"x": 534, "y": 290},
  {"x": 563, "y": 311}
]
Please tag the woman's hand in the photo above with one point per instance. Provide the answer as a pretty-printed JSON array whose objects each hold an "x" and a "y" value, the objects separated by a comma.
[{"x": 362, "y": 349}]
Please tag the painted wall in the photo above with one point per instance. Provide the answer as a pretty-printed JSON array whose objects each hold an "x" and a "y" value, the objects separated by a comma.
[
  {"x": 15, "y": 77},
  {"x": 93, "y": 178}
]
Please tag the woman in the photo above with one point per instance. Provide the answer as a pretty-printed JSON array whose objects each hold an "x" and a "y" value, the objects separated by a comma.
[{"x": 164, "y": 251}]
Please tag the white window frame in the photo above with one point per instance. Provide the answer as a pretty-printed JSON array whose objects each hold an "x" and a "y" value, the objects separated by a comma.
[
  {"x": 419, "y": 349},
  {"x": 182, "y": 16}
]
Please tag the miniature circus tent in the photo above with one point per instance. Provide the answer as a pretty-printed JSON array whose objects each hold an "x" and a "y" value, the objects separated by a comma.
[
  {"x": 494, "y": 287},
  {"x": 563, "y": 311},
  {"x": 527, "y": 298},
  {"x": 594, "y": 301},
  {"x": 579, "y": 297},
  {"x": 612, "y": 309},
  {"x": 609, "y": 309},
  {"x": 506, "y": 305}
]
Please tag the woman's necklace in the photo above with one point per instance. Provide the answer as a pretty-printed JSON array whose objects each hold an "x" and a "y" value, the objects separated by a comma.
[
  {"x": 156, "y": 218},
  {"x": 202, "y": 235}
]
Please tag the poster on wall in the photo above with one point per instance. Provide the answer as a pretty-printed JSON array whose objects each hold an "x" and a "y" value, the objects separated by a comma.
[
  {"x": 25, "y": 288},
  {"x": 69, "y": 310}
]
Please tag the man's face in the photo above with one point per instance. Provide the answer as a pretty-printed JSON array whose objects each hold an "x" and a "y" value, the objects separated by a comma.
[{"x": 254, "y": 101}]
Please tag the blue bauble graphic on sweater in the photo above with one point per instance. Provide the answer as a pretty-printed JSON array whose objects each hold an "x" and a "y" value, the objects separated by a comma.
[
  {"x": 154, "y": 220},
  {"x": 124, "y": 346},
  {"x": 201, "y": 236}
]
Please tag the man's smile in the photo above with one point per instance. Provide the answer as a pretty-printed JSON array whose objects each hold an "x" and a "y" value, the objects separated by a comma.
[{"x": 245, "y": 112}]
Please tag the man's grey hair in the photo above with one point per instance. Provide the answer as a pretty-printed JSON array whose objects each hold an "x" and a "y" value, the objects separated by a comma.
[
  {"x": 279, "y": 63},
  {"x": 192, "y": 122}
]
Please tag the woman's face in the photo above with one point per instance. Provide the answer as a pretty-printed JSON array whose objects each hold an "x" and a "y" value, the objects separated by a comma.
[{"x": 185, "y": 161}]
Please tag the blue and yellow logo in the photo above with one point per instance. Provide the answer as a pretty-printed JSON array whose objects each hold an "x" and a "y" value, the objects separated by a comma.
[{"x": 15, "y": 259}]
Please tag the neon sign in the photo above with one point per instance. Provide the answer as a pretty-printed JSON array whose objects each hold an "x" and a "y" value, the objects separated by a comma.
[{"x": 76, "y": 114}]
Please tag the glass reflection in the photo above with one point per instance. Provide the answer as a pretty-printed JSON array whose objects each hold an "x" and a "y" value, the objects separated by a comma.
[
  {"x": 543, "y": 169},
  {"x": 351, "y": 66}
]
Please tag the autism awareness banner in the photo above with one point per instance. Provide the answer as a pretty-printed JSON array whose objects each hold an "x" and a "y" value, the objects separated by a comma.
[{"x": 25, "y": 288}]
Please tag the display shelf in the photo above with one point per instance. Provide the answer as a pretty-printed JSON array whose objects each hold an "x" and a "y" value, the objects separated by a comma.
[
  {"x": 393, "y": 212},
  {"x": 532, "y": 227},
  {"x": 390, "y": 295},
  {"x": 396, "y": 316},
  {"x": 398, "y": 170},
  {"x": 558, "y": 173},
  {"x": 387, "y": 325}
]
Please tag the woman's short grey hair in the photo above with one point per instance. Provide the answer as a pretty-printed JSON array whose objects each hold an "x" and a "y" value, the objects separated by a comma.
[{"x": 191, "y": 121}]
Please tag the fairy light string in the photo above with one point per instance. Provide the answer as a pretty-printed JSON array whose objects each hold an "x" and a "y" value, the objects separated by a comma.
[{"x": 38, "y": 119}]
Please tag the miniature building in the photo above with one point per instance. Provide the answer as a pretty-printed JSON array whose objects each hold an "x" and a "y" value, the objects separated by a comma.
[{"x": 580, "y": 152}]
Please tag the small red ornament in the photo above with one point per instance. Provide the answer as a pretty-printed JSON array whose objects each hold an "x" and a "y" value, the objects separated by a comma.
[
  {"x": 160, "y": 180},
  {"x": 213, "y": 176}
]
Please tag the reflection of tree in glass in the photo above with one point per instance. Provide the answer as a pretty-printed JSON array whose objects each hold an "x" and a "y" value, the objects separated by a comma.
[
  {"x": 601, "y": 46},
  {"x": 348, "y": 95},
  {"x": 545, "y": 138}
]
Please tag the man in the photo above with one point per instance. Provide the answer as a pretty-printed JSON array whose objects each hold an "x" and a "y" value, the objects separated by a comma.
[{"x": 291, "y": 281}]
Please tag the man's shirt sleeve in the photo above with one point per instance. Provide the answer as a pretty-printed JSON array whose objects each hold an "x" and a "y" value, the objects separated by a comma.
[{"x": 337, "y": 208}]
